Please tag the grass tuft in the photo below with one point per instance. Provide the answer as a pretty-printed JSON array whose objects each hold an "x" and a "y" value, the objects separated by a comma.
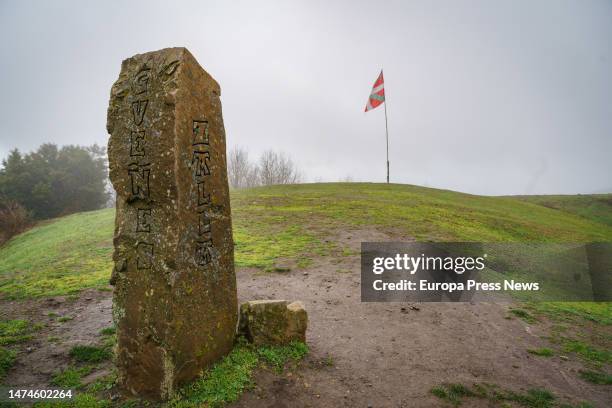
[
  {"x": 533, "y": 398},
  {"x": 596, "y": 377},
  {"x": 103, "y": 384},
  {"x": 278, "y": 356},
  {"x": 7, "y": 359},
  {"x": 524, "y": 315},
  {"x": 453, "y": 393},
  {"x": 542, "y": 352},
  {"x": 15, "y": 331},
  {"x": 225, "y": 381},
  {"x": 108, "y": 331},
  {"x": 70, "y": 377},
  {"x": 90, "y": 354}
]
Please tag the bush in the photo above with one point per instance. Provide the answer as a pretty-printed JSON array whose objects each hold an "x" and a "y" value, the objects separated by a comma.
[
  {"x": 13, "y": 219},
  {"x": 52, "y": 181}
]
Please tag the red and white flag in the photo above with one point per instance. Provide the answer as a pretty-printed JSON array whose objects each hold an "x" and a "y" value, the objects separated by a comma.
[{"x": 377, "y": 97}]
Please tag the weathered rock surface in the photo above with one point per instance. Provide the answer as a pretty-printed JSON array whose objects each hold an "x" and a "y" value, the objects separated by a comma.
[
  {"x": 273, "y": 322},
  {"x": 175, "y": 303}
]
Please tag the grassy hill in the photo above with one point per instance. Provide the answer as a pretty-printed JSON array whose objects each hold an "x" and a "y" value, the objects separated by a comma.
[
  {"x": 596, "y": 207},
  {"x": 293, "y": 224}
]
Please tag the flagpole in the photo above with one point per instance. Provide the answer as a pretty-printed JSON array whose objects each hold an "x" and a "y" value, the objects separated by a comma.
[{"x": 386, "y": 133}]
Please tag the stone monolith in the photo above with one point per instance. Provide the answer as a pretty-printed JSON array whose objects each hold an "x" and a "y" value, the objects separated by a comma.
[{"x": 175, "y": 304}]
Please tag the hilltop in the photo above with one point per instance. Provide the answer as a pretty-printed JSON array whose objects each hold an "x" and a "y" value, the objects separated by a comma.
[{"x": 291, "y": 225}]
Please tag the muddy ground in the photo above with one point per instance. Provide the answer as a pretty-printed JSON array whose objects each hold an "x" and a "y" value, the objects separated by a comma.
[{"x": 362, "y": 354}]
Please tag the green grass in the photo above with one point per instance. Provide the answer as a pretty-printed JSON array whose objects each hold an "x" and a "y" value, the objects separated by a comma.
[
  {"x": 228, "y": 379},
  {"x": 221, "y": 384},
  {"x": 90, "y": 354},
  {"x": 542, "y": 352},
  {"x": 423, "y": 213},
  {"x": 70, "y": 377},
  {"x": 108, "y": 331},
  {"x": 81, "y": 400},
  {"x": 103, "y": 384},
  {"x": 533, "y": 398},
  {"x": 524, "y": 315},
  {"x": 596, "y": 312},
  {"x": 7, "y": 359},
  {"x": 58, "y": 257},
  {"x": 291, "y": 225},
  {"x": 278, "y": 356},
  {"x": 586, "y": 351},
  {"x": 456, "y": 395},
  {"x": 595, "y": 207},
  {"x": 225, "y": 382},
  {"x": 596, "y": 377},
  {"x": 453, "y": 393},
  {"x": 15, "y": 331}
]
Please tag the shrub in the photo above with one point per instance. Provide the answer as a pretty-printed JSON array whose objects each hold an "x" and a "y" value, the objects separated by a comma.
[{"x": 14, "y": 218}]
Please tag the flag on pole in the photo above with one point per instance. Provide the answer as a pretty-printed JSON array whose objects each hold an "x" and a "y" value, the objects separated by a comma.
[{"x": 377, "y": 97}]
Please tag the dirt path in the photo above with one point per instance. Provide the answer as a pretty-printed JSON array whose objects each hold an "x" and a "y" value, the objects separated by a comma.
[
  {"x": 48, "y": 352},
  {"x": 362, "y": 354},
  {"x": 392, "y": 354}
]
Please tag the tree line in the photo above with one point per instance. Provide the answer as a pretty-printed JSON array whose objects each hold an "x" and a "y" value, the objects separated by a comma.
[
  {"x": 269, "y": 169},
  {"x": 54, "y": 181},
  {"x": 50, "y": 182}
]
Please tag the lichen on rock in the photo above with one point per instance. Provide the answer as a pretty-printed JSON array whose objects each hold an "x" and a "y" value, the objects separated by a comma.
[
  {"x": 175, "y": 285},
  {"x": 273, "y": 322}
]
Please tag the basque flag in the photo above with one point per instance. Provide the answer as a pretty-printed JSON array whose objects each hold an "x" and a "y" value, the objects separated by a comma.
[{"x": 377, "y": 97}]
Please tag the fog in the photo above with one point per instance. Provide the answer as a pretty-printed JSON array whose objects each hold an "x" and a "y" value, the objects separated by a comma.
[{"x": 485, "y": 97}]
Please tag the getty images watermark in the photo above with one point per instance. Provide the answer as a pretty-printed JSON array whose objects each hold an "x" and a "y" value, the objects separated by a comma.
[{"x": 467, "y": 271}]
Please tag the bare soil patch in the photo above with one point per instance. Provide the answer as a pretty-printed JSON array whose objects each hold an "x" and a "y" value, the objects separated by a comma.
[
  {"x": 48, "y": 352},
  {"x": 392, "y": 354}
]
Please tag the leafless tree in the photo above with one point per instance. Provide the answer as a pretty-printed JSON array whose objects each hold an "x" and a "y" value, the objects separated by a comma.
[
  {"x": 288, "y": 173},
  {"x": 272, "y": 168},
  {"x": 238, "y": 167},
  {"x": 267, "y": 168},
  {"x": 252, "y": 177},
  {"x": 242, "y": 172},
  {"x": 277, "y": 168}
]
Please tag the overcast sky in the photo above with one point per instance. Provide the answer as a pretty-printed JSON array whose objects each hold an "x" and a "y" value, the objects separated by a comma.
[{"x": 486, "y": 97}]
